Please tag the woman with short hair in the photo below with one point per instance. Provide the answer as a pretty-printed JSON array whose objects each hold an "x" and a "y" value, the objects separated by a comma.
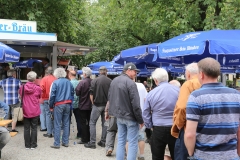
[{"x": 31, "y": 109}]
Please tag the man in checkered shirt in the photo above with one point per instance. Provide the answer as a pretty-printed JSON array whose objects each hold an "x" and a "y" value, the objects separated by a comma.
[{"x": 10, "y": 88}]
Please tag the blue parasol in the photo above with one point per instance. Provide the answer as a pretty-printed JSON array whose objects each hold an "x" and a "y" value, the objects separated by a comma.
[
  {"x": 222, "y": 45},
  {"x": 7, "y": 54},
  {"x": 26, "y": 63}
]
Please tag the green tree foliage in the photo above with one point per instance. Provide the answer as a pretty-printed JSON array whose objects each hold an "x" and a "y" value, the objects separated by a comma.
[{"x": 64, "y": 17}]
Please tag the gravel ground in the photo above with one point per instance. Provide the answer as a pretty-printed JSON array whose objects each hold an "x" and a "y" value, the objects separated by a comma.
[{"x": 15, "y": 149}]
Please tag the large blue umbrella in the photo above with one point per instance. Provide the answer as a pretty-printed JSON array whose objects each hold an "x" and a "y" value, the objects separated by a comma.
[
  {"x": 222, "y": 45},
  {"x": 146, "y": 54},
  {"x": 26, "y": 63},
  {"x": 7, "y": 54},
  {"x": 112, "y": 67}
]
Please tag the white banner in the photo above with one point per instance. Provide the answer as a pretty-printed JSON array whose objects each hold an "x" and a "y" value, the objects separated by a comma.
[{"x": 17, "y": 25}]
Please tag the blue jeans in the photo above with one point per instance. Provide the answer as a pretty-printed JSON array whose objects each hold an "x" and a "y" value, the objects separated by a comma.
[
  {"x": 49, "y": 122},
  {"x": 180, "y": 151},
  {"x": 43, "y": 117},
  {"x": 61, "y": 120},
  {"x": 127, "y": 130}
]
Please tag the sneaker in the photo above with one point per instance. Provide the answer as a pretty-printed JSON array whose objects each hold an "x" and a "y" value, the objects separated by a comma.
[
  {"x": 81, "y": 142},
  {"x": 33, "y": 148},
  {"x": 101, "y": 144},
  {"x": 48, "y": 135},
  {"x": 43, "y": 130},
  {"x": 14, "y": 130},
  {"x": 89, "y": 145},
  {"x": 65, "y": 145},
  {"x": 27, "y": 148},
  {"x": 55, "y": 147},
  {"x": 109, "y": 152}
]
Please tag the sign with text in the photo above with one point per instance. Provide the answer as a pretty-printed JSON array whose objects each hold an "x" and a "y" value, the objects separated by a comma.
[{"x": 17, "y": 25}]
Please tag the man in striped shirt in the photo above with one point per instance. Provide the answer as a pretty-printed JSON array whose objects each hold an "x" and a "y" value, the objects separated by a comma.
[{"x": 213, "y": 114}]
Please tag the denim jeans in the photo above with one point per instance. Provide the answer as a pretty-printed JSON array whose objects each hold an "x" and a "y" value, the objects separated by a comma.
[
  {"x": 127, "y": 130},
  {"x": 49, "y": 121},
  {"x": 43, "y": 117},
  {"x": 30, "y": 132},
  {"x": 61, "y": 120},
  {"x": 180, "y": 151},
  {"x": 95, "y": 114},
  {"x": 77, "y": 117},
  {"x": 161, "y": 136}
]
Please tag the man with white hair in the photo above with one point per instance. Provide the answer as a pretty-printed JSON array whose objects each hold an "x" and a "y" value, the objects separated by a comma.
[
  {"x": 61, "y": 97},
  {"x": 85, "y": 104},
  {"x": 179, "y": 116},
  {"x": 158, "y": 112}
]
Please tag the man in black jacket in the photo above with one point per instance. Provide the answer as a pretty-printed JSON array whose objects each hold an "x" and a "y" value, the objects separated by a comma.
[
  {"x": 99, "y": 97},
  {"x": 124, "y": 104}
]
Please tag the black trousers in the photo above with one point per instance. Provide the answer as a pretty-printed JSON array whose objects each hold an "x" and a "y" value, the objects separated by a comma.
[
  {"x": 161, "y": 136},
  {"x": 76, "y": 113},
  {"x": 148, "y": 133},
  {"x": 84, "y": 121},
  {"x": 30, "y": 132}
]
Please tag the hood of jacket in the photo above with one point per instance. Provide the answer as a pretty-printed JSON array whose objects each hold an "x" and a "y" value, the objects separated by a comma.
[{"x": 30, "y": 88}]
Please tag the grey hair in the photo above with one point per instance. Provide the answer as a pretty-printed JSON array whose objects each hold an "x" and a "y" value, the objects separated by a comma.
[
  {"x": 31, "y": 76},
  {"x": 160, "y": 75},
  {"x": 60, "y": 73},
  {"x": 192, "y": 68},
  {"x": 49, "y": 70},
  {"x": 175, "y": 83},
  {"x": 87, "y": 71},
  {"x": 11, "y": 72}
]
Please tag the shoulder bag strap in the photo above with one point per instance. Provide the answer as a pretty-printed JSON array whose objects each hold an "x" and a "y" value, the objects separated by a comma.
[{"x": 22, "y": 96}]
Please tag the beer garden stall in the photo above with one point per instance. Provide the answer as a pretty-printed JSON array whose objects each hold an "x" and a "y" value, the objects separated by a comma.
[{"x": 24, "y": 38}]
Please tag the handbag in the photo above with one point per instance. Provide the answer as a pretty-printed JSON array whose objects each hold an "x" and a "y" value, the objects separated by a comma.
[{"x": 19, "y": 109}]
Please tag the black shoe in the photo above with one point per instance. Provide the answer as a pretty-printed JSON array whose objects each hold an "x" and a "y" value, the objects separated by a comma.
[
  {"x": 14, "y": 130},
  {"x": 65, "y": 145},
  {"x": 48, "y": 135},
  {"x": 55, "y": 147},
  {"x": 101, "y": 144},
  {"x": 81, "y": 142},
  {"x": 43, "y": 130},
  {"x": 89, "y": 145}
]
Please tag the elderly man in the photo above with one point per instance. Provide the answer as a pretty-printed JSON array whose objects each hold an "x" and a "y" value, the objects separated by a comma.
[
  {"x": 74, "y": 81},
  {"x": 85, "y": 105},
  {"x": 61, "y": 97},
  {"x": 124, "y": 104},
  {"x": 179, "y": 116},
  {"x": 212, "y": 129},
  {"x": 10, "y": 87},
  {"x": 45, "y": 116},
  {"x": 98, "y": 96},
  {"x": 158, "y": 112}
]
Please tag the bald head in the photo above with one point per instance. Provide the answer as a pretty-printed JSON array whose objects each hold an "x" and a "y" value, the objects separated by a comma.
[{"x": 175, "y": 83}]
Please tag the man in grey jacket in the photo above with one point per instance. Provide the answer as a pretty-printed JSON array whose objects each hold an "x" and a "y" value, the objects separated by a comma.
[{"x": 126, "y": 108}]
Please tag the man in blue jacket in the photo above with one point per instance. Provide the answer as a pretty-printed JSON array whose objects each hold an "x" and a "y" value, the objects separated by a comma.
[{"x": 60, "y": 100}]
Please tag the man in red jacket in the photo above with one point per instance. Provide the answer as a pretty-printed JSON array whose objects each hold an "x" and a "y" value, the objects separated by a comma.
[{"x": 45, "y": 86}]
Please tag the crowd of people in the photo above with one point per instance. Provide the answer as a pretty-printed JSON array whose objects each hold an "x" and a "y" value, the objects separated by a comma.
[{"x": 198, "y": 120}]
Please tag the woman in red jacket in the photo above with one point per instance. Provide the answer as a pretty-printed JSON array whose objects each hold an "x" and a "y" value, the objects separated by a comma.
[{"x": 31, "y": 94}]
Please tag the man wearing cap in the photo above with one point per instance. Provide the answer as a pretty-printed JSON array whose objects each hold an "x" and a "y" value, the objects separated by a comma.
[
  {"x": 124, "y": 104},
  {"x": 99, "y": 97}
]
